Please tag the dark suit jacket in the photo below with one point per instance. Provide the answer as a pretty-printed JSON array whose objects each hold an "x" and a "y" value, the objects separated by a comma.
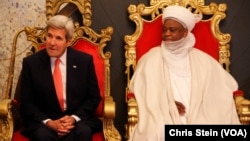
[{"x": 38, "y": 100}]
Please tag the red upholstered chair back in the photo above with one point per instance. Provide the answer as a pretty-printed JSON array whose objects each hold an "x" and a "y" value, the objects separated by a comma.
[{"x": 91, "y": 48}]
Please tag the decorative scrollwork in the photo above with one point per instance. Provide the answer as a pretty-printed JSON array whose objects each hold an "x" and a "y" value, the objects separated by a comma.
[{"x": 84, "y": 6}]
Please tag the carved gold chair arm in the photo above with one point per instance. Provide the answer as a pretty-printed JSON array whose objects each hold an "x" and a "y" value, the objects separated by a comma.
[
  {"x": 6, "y": 120},
  {"x": 243, "y": 109},
  {"x": 132, "y": 116},
  {"x": 110, "y": 132}
]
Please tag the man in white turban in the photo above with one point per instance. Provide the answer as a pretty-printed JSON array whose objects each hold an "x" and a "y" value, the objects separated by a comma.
[{"x": 176, "y": 83}]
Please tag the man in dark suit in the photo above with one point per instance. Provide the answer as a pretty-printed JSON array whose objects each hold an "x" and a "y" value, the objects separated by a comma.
[{"x": 43, "y": 118}]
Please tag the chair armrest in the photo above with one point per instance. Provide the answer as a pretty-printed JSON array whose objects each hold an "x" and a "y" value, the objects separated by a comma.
[
  {"x": 132, "y": 114},
  {"x": 110, "y": 132},
  {"x": 243, "y": 109},
  {"x": 109, "y": 107},
  {"x": 6, "y": 120},
  {"x": 5, "y": 106}
]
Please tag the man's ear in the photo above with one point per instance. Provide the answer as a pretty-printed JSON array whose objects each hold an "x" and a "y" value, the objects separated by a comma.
[{"x": 69, "y": 42}]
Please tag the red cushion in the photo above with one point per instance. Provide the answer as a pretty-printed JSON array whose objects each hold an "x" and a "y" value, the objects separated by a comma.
[
  {"x": 238, "y": 93},
  {"x": 19, "y": 137}
]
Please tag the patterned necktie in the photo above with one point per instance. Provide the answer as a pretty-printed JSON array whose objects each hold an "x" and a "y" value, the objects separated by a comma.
[{"x": 57, "y": 76}]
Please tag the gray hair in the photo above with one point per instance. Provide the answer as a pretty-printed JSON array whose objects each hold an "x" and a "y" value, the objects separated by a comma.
[{"x": 62, "y": 22}]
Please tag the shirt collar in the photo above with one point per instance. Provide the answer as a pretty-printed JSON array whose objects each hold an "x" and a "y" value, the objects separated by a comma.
[{"x": 62, "y": 58}]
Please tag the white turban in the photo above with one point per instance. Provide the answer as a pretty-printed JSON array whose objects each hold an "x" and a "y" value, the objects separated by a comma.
[{"x": 181, "y": 15}]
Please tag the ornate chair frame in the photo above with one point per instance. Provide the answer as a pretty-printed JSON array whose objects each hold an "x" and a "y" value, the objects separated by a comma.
[
  {"x": 36, "y": 35},
  {"x": 212, "y": 12}
]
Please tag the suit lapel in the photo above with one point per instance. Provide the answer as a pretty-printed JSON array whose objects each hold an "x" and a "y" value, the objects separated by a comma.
[{"x": 71, "y": 69}]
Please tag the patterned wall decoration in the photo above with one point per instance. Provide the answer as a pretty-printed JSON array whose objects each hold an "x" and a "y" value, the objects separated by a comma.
[{"x": 15, "y": 15}]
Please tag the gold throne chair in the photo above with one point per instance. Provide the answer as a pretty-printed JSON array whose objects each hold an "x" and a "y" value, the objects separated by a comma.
[
  {"x": 86, "y": 40},
  {"x": 147, "y": 34}
]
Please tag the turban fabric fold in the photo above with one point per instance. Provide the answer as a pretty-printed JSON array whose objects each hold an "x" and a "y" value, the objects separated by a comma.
[{"x": 181, "y": 15}]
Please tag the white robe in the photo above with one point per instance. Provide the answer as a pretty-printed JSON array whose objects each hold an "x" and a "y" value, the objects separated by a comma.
[{"x": 211, "y": 96}]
